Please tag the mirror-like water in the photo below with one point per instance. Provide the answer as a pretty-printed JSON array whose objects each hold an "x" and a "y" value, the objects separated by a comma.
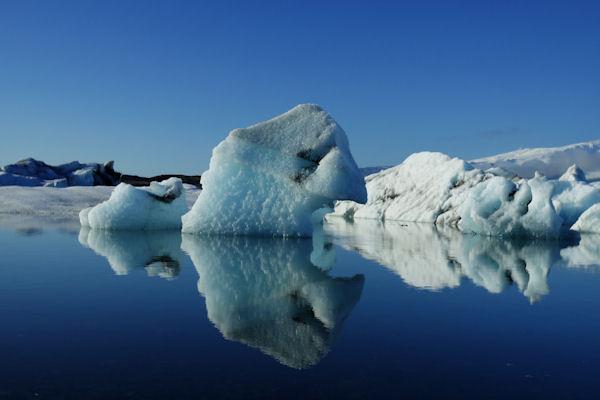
[{"x": 361, "y": 310}]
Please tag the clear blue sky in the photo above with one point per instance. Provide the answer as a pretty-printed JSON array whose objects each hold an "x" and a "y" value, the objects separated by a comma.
[{"x": 156, "y": 85}]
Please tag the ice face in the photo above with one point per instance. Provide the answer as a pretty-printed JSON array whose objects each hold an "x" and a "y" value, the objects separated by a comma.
[
  {"x": 500, "y": 207},
  {"x": 589, "y": 221},
  {"x": 159, "y": 206},
  {"x": 266, "y": 293},
  {"x": 157, "y": 252},
  {"x": 435, "y": 188},
  {"x": 269, "y": 178},
  {"x": 422, "y": 189}
]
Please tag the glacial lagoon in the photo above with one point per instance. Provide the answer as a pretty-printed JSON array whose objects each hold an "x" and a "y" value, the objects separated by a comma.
[{"x": 360, "y": 310}]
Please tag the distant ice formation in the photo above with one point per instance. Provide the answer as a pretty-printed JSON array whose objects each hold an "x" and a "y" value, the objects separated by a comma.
[
  {"x": 157, "y": 252},
  {"x": 266, "y": 293},
  {"x": 435, "y": 188},
  {"x": 31, "y": 172},
  {"x": 269, "y": 178},
  {"x": 550, "y": 162},
  {"x": 159, "y": 206}
]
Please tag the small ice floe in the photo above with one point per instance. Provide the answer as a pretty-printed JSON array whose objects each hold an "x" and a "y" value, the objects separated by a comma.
[{"x": 158, "y": 206}]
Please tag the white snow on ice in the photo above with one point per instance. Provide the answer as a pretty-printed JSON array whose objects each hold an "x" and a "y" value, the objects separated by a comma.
[
  {"x": 550, "y": 162},
  {"x": 269, "y": 178},
  {"x": 435, "y": 188},
  {"x": 158, "y": 206}
]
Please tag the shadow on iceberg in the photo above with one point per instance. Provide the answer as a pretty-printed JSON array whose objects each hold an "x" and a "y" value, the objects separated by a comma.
[
  {"x": 268, "y": 294},
  {"x": 434, "y": 258},
  {"x": 158, "y": 252}
]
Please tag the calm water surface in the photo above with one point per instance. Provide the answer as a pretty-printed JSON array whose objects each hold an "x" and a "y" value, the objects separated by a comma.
[{"x": 362, "y": 311}]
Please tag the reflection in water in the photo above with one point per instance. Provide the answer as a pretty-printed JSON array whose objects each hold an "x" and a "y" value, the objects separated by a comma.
[
  {"x": 267, "y": 293},
  {"x": 158, "y": 252},
  {"x": 435, "y": 258}
]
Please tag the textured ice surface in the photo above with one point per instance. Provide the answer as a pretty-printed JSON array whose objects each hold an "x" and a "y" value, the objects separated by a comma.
[
  {"x": 266, "y": 293},
  {"x": 573, "y": 174},
  {"x": 434, "y": 258},
  {"x": 156, "y": 252},
  {"x": 159, "y": 206},
  {"x": 589, "y": 221},
  {"x": 551, "y": 162},
  {"x": 416, "y": 190},
  {"x": 433, "y": 187},
  {"x": 501, "y": 207},
  {"x": 426, "y": 187},
  {"x": 31, "y": 172},
  {"x": 269, "y": 178}
]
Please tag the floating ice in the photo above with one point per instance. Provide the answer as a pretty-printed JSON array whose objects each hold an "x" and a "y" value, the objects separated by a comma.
[
  {"x": 159, "y": 206},
  {"x": 573, "y": 174},
  {"x": 266, "y": 293},
  {"x": 500, "y": 207},
  {"x": 31, "y": 172},
  {"x": 425, "y": 187},
  {"x": 433, "y": 187},
  {"x": 589, "y": 221},
  {"x": 269, "y": 178}
]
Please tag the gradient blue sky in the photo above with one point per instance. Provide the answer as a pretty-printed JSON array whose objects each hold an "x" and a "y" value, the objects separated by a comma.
[{"x": 156, "y": 85}]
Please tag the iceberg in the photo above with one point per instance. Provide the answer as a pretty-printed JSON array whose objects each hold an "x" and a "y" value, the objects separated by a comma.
[
  {"x": 269, "y": 178},
  {"x": 159, "y": 206},
  {"x": 439, "y": 189},
  {"x": 589, "y": 221},
  {"x": 32, "y": 172},
  {"x": 266, "y": 293}
]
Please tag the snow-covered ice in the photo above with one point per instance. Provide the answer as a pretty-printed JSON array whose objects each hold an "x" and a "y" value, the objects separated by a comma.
[
  {"x": 158, "y": 206},
  {"x": 266, "y": 293},
  {"x": 589, "y": 221},
  {"x": 550, "y": 162},
  {"x": 435, "y": 188},
  {"x": 31, "y": 172},
  {"x": 269, "y": 178}
]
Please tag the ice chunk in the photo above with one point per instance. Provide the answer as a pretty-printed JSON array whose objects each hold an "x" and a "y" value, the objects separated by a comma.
[
  {"x": 420, "y": 189},
  {"x": 500, "y": 207},
  {"x": 82, "y": 177},
  {"x": 57, "y": 183},
  {"x": 573, "y": 174},
  {"x": 9, "y": 179},
  {"x": 269, "y": 178},
  {"x": 589, "y": 221},
  {"x": 32, "y": 172},
  {"x": 159, "y": 206},
  {"x": 266, "y": 293}
]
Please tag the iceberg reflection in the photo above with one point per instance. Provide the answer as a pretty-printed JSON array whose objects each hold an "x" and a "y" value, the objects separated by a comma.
[
  {"x": 266, "y": 293},
  {"x": 433, "y": 258},
  {"x": 158, "y": 252}
]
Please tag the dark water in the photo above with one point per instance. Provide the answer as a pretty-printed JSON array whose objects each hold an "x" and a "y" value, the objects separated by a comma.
[{"x": 388, "y": 311}]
